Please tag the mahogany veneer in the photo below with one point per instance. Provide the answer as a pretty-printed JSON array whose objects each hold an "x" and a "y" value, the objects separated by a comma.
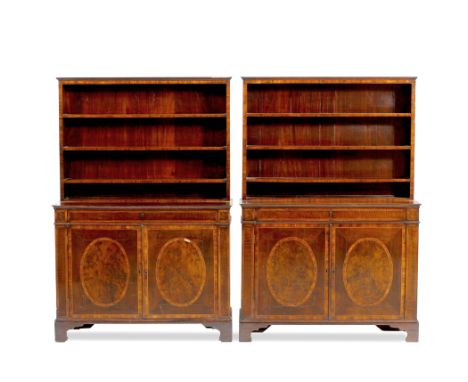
[
  {"x": 142, "y": 230},
  {"x": 330, "y": 227}
]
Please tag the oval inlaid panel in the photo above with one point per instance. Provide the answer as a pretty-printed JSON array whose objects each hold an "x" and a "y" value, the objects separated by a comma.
[
  {"x": 104, "y": 272},
  {"x": 368, "y": 272},
  {"x": 291, "y": 271},
  {"x": 180, "y": 272}
]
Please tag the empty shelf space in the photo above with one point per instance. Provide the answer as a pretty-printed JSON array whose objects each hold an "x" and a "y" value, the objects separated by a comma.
[
  {"x": 144, "y": 148},
  {"x": 327, "y": 115},
  {"x": 329, "y": 132},
  {"x": 320, "y": 147},
  {"x": 121, "y": 116},
  {"x": 142, "y": 181},
  {"x": 144, "y": 165},
  {"x": 301, "y": 190},
  {"x": 179, "y": 132},
  {"x": 144, "y": 99},
  {"x": 151, "y": 192},
  {"x": 329, "y": 164},
  {"x": 332, "y": 99},
  {"x": 324, "y": 180}
]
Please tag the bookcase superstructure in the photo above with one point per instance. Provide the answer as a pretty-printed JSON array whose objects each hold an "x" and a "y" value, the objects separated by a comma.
[
  {"x": 314, "y": 137},
  {"x": 142, "y": 229},
  {"x": 144, "y": 139},
  {"x": 329, "y": 220}
]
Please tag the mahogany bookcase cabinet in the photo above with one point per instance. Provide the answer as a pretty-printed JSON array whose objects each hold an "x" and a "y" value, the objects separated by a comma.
[
  {"x": 330, "y": 227},
  {"x": 142, "y": 230}
]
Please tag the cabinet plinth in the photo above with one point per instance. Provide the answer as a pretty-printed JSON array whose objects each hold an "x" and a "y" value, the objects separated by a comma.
[{"x": 330, "y": 227}]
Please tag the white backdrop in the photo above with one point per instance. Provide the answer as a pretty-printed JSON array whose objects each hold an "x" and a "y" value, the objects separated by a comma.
[{"x": 41, "y": 40}]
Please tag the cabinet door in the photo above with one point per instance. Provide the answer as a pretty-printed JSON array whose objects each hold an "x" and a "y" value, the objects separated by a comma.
[
  {"x": 181, "y": 271},
  {"x": 104, "y": 271},
  {"x": 291, "y": 272},
  {"x": 368, "y": 277}
]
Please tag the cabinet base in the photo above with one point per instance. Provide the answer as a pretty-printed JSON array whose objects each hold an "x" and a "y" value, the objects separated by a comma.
[
  {"x": 224, "y": 327},
  {"x": 247, "y": 328},
  {"x": 411, "y": 328},
  {"x": 63, "y": 326}
]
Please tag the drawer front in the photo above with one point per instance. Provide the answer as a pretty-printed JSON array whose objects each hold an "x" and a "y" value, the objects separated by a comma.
[
  {"x": 142, "y": 215},
  {"x": 286, "y": 214},
  {"x": 331, "y": 214},
  {"x": 369, "y": 214}
]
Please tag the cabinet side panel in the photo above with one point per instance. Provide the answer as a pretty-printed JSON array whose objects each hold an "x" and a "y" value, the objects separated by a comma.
[
  {"x": 224, "y": 279},
  {"x": 60, "y": 268},
  {"x": 228, "y": 140},
  {"x": 248, "y": 244},
  {"x": 411, "y": 271},
  {"x": 413, "y": 130},
  {"x": 61, "y": 135},
  {"x": 244, "y": 142}
]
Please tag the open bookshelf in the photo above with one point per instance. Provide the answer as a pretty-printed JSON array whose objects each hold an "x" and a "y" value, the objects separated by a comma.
[
  {"x": 319, "y": 137},
  {"x": 142, "y": 229},
  {"x": 153, "y": 139},
  {"x": 329, "y": 224}
]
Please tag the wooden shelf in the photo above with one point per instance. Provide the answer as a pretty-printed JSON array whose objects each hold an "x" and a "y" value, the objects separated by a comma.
[
  {"x": 325, "y": 148},
  {"x": 129, "y": 116},
  {"x": 144, "y": 148},
  {"x": 143, "y": 181},
  {"x": 117, "y": 202},
  {"x": 327, "y": 115},
  {"x": 324, "y": 180}
]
